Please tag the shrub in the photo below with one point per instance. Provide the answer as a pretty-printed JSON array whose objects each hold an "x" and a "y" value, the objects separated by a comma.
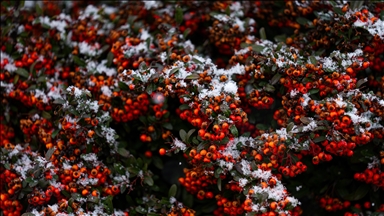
[{"x": 192, "y": 108}]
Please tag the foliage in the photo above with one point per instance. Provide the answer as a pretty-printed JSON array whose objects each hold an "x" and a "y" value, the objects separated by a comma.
[{"x": 192, "y": 108}]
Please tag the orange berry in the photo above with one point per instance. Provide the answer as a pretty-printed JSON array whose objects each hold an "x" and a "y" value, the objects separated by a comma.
[{"x": 162, "y": 151}]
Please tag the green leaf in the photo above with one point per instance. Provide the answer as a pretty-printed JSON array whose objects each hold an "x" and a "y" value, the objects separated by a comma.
[
  {"x": 313, "y": 91},
  {"x": 234, "y": 131},
  {"x": 32, "y": 69},
  {"x": 79, "y": 61},
  {"x": 269, "y": 88},
  {"x": 16, "y": 79},
  {"x": 93, "y": 199},
  {"x": 356, "y": 4},
  {"x": 190, "y": 132},
  {"x": 123, "y": 86},
  {"x": 158, "y": 162},
  {"x": 46, "y": 115},
  {"x": 150, "y": 88},
  {"x": 28, "y": 214},
  {"x": 290, "y": 126},
  {"x": 263, "y": 36},
  {"x": 302, "y": 21},
  {"x": 184, "y": 107},
  {"x": 168, "y": 126},
  {"x": 172, "y": 191},
  {"x": 305, "y": 120},
  {"x": 141, "y": 210},
  {"x": 49, "y": 153},
  {"x": 110, "y": 57},
  {"x": 280, "y": 38},
  {"x": 22, "y": 72},
  {"x": 261, "y": 127},
  {"x": 257, "y": 48},
  {"x": 338, "y": 10},
  {"x": 319, "y": 139},
  {"x": 192, "y": 77},
  {"x": 219, "y": 184},
  {"x": 179, "y": 15},
  {"x": 359, "y": 193},
  {"x": 186, "y": 33},
  {"x": 148, "y": 180},
  {"x": 313, "y": 60},
  {"x": 123, "y": 152},
  {"x": 183, "y": 135},
  {"x": 361, "y": 82},
  {"x": 58, "y": 101},
  {"x": 108, "y": 205},
  {"x": 39, "y": 10},
  {"x": 275, "y": 78}
]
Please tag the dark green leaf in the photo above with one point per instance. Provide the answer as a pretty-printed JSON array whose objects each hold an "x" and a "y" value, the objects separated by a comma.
[
  {"x": 123, "y": 86},
  {"x": 313, "y": 60},
  {"x": 108, "y": 205},
  {"x": 79, "y": 61},
  {"x": 168, "y": 126},
  {"x": 290, "y": 126},
  {"x": 16, "y": 78},
  {"x": 93, "y": 199},
  {"x": 172, "y": 191},
  {"x": 261, "y": 127},
  {"x": 269, "y": 88},
  {"x": 305, "y": 120},
  {"x": 280, "y": 38},
  {"x": 158, "y": 162},
  {"x": 39, "y": 10},
  {"x": 179, "y": 15},
  {"x": 46, "y": 115},
  {"x": 22, "y": 72},
  {"x": 234, "y": 131},
  {"x": 49, "y": 153},
  {"x": 313, "y": 91},
  {"x": 183, "y": 135},
  {"x": 319, "y": 139},
  {"x": 361, "y": 82},
  {"x": 275, "y": 78},
  {"x": 257, "y": 48},
  {"x": 58, "y": 101},
  {"x": 356, "y": 4},
  {"x": 184, "y": 107},
  {"x": 186, "y": 32},
  {"x": 192, "y": 77},
  {"x": 141, "y": 210},
  {"x": 219, "y": 184},
  {"x": 110, "y": 57},
  {"x": 123, "y": 152},
  {"x": 263, "y": 36},
  {"x": 148, "y": 180},
  {"x": 190, "y": 132},
  {"x": 302, "y": 21}
]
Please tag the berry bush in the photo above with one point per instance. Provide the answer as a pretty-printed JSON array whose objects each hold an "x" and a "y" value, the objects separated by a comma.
[{"x": 192, "y": 108}]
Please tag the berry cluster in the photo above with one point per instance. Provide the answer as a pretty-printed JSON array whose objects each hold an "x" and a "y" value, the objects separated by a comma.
[{"x": 92, "y": 91}]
